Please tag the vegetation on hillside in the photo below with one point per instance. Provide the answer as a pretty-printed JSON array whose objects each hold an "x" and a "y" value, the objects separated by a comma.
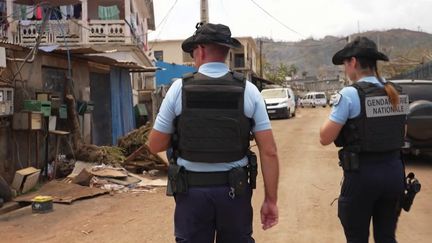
[{"x": 405, "y": 48}]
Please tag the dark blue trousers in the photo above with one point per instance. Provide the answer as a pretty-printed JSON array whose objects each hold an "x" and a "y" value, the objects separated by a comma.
[
  {"x": 374, "y": 192},
  {"x": 204, "y": 214}
]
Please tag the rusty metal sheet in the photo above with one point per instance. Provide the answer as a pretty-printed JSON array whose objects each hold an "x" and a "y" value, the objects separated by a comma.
[{"x": 62, "y": 192}]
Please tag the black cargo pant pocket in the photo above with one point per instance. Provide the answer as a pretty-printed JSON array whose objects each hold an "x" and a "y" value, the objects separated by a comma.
[{"x": 345, "y": 211}]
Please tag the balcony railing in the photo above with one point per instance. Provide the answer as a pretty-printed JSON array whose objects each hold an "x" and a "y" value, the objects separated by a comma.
[
  {"x": 56, "y": 32},
  {"x": 71, "y": 32},
  {"x": 107, "y": 31}
]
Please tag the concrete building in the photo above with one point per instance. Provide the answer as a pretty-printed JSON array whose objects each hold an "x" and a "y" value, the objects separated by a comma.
[
  {"x": 94, "y": 49},
  {"x": 244, "y": 60}
]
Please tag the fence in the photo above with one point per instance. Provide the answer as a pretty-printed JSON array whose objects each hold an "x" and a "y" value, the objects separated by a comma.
[{"x": 422, "y": 72}]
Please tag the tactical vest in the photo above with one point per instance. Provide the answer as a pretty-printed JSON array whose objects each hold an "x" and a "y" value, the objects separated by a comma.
[
  {"x": 212, "y": 126},
  {"x": 379, "y": 127}
]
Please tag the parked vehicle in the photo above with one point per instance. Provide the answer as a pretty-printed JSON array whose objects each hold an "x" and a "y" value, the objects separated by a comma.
[
  {"x": 313, "y": 99},
  {"x": 280, "y": 102},
  {"x": 419, "y": 120}
]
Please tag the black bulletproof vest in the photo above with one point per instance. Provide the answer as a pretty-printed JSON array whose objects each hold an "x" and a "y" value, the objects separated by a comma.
[
  {"x": 379, "y": 127},
  {"x": 212, "y": 126}
]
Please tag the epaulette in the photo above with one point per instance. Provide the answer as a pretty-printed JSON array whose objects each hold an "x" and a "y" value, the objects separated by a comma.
[
  {"x": 188, "y": 75},
  {"x": 238, "y": 76}
]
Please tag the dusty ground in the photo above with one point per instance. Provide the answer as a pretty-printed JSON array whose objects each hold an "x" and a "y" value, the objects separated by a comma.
[{"x": 309, "y": 182}]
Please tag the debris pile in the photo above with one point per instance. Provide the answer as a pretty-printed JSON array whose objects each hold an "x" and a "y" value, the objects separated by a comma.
[
  {"x": 138, "y": 155},
  {"x": 101, "y": 154},
  {"x": 113, "y": 179},
  {"x": 131, "y": 153}
]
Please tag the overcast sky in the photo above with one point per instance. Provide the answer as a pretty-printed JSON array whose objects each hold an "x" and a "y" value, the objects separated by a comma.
[{"x": 300, "y": 19}]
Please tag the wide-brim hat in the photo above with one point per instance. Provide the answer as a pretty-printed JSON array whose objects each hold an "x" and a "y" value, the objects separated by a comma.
[
  {"x": 359, "y": 47},
  {"x": 210, "y": 33}
]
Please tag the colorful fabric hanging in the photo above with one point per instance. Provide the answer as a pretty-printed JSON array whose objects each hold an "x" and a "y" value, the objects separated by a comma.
[
  {"x": 39, "y": 13},
  {"x": 109, "y": 12}
]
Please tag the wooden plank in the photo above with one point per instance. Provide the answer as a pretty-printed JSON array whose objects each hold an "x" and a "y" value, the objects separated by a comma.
[
  {"x": 9, "y": 207},
  {"x": 109, "y": 172},
  {"x": 137, "y": 152}
]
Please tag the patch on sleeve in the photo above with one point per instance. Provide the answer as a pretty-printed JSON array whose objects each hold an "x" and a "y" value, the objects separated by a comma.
[{"x": 336, "y": 98}]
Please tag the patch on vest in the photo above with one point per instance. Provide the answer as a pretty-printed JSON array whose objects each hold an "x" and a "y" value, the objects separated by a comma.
[
  {"x": 336, "y": 98},
  {"x": 379, "y": 106}
]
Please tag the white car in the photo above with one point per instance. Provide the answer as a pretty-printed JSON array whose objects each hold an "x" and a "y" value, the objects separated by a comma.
[
  {"x": 280, "y": 102},
  {"x": 314, "y": 99}
]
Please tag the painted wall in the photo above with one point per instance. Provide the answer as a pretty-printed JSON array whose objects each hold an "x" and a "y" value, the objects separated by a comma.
[{"x": 172, "y": 52}]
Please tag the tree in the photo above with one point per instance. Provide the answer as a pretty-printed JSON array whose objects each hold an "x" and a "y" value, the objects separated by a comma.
[
  {"x": 279, "y": 74},
  {"x": 292, "y": 70}
]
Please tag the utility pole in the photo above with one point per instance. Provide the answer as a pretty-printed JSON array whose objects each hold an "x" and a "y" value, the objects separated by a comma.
[
  {"x": 260, "y": 54},
  {"x": 358, "y": 26},
  {"x": 378, "y": 43},
  {"x": 204, "y": 11}
]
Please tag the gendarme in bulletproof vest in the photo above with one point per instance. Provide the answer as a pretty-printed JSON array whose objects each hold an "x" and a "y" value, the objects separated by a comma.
[
  {"x": 379, "y": 127},
  {"x": 212, "y": 126}
]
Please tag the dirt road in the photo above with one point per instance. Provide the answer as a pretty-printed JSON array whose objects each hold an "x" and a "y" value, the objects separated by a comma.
[{"x": 309, "y": 183}]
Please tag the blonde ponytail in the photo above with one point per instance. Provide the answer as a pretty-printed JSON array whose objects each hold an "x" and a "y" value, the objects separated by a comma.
[{"x": 392, "y": 93}]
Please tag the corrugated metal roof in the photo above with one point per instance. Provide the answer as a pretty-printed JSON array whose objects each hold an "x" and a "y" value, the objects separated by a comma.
[{"x": 123, "y": 60}]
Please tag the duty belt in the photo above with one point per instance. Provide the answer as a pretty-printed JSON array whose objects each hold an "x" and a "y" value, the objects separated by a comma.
[
  {"x": 219, "y": 178},
  {"x": 377, "y": 156}
]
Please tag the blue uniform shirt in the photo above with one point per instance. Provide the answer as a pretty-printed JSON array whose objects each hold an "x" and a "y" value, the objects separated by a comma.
[
  {"x": 254, "y": 107},
  {"x": 349, "y": 106}
]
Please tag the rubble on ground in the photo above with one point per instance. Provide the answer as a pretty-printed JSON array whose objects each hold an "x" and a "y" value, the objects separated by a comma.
[
  {"x": 96, "y": 170},
  {"x": 115, "y": 179},
  {"x": 131, "y": 153},
  {"x": 100, "y": 154}
]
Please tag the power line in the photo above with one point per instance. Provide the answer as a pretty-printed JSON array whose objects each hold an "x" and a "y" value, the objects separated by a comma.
[
  {"x": 280, "y": 22},
  {"x": 163, "y": 21},
  {"x": 167, "y": 14}
]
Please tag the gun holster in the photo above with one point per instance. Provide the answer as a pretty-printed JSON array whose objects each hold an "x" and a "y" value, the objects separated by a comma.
[
  {"x": 253, "y": 168},
  {"x": 348, "y": 160},
  {"x": 177, "y": 180},
  {"x": 412, "y": 187}
]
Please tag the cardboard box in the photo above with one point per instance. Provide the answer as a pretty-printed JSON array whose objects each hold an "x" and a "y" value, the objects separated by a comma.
[{"x": 25, "y": 179}]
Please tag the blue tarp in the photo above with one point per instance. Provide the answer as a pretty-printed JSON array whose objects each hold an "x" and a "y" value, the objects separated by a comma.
[
  {"x": 123, "y": 119},
  {"x": 170, "y": 71}
]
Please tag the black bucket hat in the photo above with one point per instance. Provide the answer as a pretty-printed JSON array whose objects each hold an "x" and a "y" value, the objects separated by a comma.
[
  {"x": 210, "y": 33},
  {"x": 359, "y": 47}
]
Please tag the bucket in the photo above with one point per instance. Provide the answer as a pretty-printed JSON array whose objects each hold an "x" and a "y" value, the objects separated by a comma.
[{"x": 42, "y": 204}]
